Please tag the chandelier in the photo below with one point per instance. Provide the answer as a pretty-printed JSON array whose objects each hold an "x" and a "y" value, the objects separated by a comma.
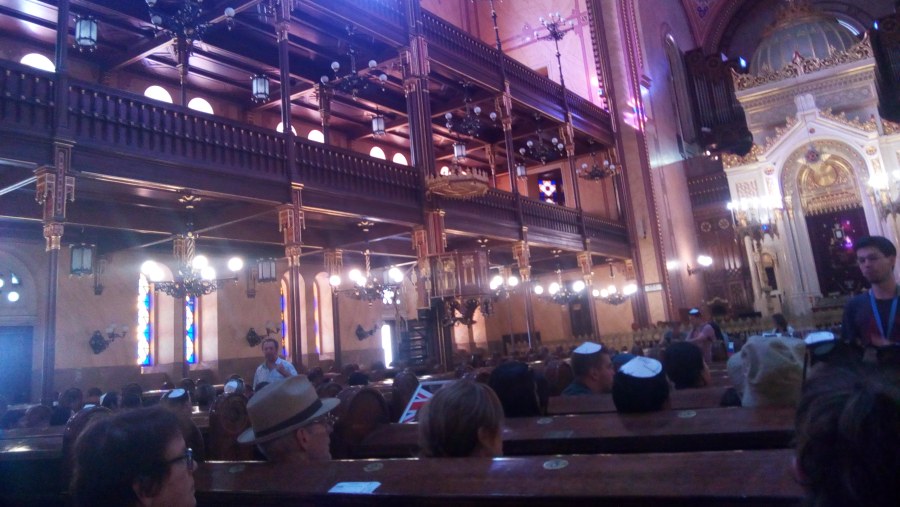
[
  {"x": 365, "y": 286},
  {"x": 471, "y": 123},
  {"x": 597, "y": 171},
  {"x": 195, "y": 276},
  {"x": 612, "y": 296},
  {"x": 503, "y": 283},
  {"x": 755, "y": 217},
  {"x": 458, "y": 182},
  {"x": 183, "y": 19},
  {"x": 541, "y": 150},
  {"x": 354, "y": 82},
  {"x": 560, "y": 293}
]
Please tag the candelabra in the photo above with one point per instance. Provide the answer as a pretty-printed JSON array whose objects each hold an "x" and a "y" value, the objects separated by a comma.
[
  {"x": 541, "y": 150},
  {"x": 612, "y": 296},
  {"x": 597, "y": 171},
  {"x": 183, "y": 20},
  {"x": 471, "y": 122},
  {"x": 503, "y": 283},
  {"x": 560, "y": 293},
  {"x": 756, "y": 217},
  {"x": 354, "y": 82},
  {"x": 367, "y": 287}
]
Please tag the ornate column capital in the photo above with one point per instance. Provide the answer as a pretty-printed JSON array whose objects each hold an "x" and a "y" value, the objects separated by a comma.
[{"x": 53, "y": 232}]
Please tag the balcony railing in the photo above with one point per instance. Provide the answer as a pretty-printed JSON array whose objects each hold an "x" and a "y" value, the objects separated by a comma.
[{"x": 145, "y": 133}]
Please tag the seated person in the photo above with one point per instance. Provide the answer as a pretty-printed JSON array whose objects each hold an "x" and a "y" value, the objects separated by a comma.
[
  {"x": 593, "y": 370},
  {"x": 178, "y": 401},
  {"x": 639, "y": 386},
  {"x": 685, "y": 367},
  {"x": 289, "y": 422},
  {"x": 37, "y": 416},
  {"x": 93, "y": 397},
  {"x": 462, "y": 419},
  {"x": 70, "y": 401},
  {"x": 514, "y": 384},
  {"x": 110, "y": 400},
  {"x": 234, "y": 385},
  {"x": 848, "y": 436},
  {"x": 781, "y": 326},
  {"x": 768, "y": 371},
  {"x": 136, "y": 458},
  {"x": 132, "y": 396}
]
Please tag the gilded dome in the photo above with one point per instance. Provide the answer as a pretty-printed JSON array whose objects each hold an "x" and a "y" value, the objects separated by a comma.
[{"x": 799, "y": 30}]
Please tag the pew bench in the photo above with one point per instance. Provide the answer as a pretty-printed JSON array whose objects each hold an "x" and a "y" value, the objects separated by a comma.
[
  {"x": 729, "y": 478},
  {"x": 714, "y": 429},
  {"x": 684, "y": 399}
]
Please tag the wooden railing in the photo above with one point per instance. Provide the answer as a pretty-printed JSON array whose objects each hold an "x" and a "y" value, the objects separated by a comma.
[
  {"x": 26, "y": 98},
  {"x": 102, "y": 116},
  {"x": 110, "y": 122},
  {"x": 550, "y": 216},
  {"x": 460, "y": 50},
  {"x": 329, "y": 168}
]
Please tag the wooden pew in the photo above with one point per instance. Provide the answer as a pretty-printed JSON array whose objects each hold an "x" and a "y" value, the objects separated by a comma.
[
  {"x": 713, "y": 429},
  {"x": 745, "y": 478},
  {"x": 30, "y": 470},
  {"x": 707, "y": 397}
]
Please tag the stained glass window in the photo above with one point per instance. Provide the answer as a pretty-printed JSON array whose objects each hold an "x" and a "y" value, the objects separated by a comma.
[
  {"x": 284, "y": 349},
  {"x": 144, "y": 324},
  {"x": 190, "y": 330},
  {"x": 549, "y": 190}
]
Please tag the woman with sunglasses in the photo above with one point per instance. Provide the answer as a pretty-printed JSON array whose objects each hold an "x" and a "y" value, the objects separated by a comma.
[{"x": 136, "y": 458}]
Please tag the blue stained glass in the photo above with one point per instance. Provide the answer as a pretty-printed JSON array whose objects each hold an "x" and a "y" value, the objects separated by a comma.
[{"x": 190, "y": 330}]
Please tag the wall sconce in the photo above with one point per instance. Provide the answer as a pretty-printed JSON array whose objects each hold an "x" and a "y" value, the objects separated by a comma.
[
  {"x": 82, "y": 259},
  {"x": 378, "y": 124},
  {"x": 99, "y": 342},
  {"x": 85, "y": 33},
  {"x": 265, "y": 271},
  {"x": 703, "y": 262},
  {"x": 459, "y": 150},
  {"x": 259, "y": 88}
]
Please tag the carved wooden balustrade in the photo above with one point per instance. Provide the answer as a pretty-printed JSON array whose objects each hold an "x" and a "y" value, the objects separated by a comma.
[{"x": 125, "y": 135}]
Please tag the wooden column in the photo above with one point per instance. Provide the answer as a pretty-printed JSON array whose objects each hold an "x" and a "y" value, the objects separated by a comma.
[
  {"x": 414, "y": 59},
  {"x": 522, "y": 255},
  {"x": 282, "y": 24},
  {"x": 54, "y": 188},
  {"x": 586, "y": 263},
  {"x": 290, "y": 223}
]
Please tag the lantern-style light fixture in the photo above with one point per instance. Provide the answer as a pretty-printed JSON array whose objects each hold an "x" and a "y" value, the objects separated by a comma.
[
  {"x": 378, "y": 124},
  {"x": 82, "y": 259},
  {"x": 85, "y": 33},
  {"x": 266, "y": 270},
  {"x": 259, "y": 86},
  {"x": 521, "y": 170},
  {"x": 459, "y": 150}
]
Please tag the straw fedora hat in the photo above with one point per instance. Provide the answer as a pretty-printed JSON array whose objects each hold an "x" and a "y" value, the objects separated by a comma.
[{"x": 283, "y": 407}]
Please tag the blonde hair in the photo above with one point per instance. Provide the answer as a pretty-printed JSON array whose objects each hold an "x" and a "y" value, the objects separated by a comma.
[{"x": 450, "y": 422}]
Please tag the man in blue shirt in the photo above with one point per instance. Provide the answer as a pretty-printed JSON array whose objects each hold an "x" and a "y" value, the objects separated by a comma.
[
  {"x": 593, "y": 370},
  {"x": 870, "y": 318}
]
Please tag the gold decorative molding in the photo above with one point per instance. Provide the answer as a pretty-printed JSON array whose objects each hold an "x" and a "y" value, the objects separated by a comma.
[
  {"x": 889, "y": 127},
  {"x": 789, "y": 123},
  {"x": 730, "y": 160},
  {"x": 802, "y": 66},
  {"x": 869, "y": 126}
]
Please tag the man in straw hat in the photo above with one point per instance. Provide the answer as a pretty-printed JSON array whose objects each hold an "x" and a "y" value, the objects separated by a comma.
[{"x": 290, "y": 423}]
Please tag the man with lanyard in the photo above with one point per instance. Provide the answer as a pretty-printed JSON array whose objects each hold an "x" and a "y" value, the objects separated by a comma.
[{"x": 870, "y": 319}]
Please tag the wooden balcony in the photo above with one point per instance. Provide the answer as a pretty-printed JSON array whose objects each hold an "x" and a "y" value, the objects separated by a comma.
[{"x": 122, "y": 136}]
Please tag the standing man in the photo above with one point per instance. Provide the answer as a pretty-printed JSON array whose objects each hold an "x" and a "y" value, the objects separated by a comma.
[
  {"x": 274, "y": 369},
  {"x": 702, "y": 335},
  {"x": 870, "y": 319}
]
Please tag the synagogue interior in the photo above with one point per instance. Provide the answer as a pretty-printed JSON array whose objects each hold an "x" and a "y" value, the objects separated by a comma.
[{"x": 398, "y": 180}]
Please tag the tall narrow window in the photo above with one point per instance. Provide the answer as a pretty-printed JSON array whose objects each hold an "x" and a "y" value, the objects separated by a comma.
[
  {"x": 190, "y": 330},
  {"x": 387, "y": 343},
  {"x": 144, "y": 322},
  {"x": 284, "y": 341},
  {"x": 317, "y": 328}
]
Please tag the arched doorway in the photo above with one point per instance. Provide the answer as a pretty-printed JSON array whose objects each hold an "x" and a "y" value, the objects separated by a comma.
[{"x": 831, "y": 204}]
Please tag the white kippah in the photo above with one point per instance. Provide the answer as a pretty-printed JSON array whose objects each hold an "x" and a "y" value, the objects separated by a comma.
[
  {"x": 642, "y": 367},
  {"x": 818, "y": 337},
  {"x": 588, "y": 348}
]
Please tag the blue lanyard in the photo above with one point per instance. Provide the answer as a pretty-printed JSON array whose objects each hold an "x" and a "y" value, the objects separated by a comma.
[{"x": 877, "y": 315}]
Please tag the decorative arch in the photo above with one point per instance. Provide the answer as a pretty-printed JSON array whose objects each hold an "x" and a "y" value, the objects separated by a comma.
[
  {"x": 838, "y": 160},
  {"x": 24, "y": 311}
]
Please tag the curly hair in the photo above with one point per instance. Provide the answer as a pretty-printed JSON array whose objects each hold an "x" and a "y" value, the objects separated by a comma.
[{"x": 848, "y": 437}]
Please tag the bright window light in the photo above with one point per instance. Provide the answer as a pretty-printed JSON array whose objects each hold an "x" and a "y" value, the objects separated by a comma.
[
  {"x": 38, "y": 61},
  {"x": 316, "y": 135},
  {"x": 159, "y": 93},
  {"x": 386, "y": 344},
  {"x": 280, "y": 128},
  {"x": 400, "y": 158},
  {"x": 377, "y": 152},
  {"x": 200, "y": 104}
]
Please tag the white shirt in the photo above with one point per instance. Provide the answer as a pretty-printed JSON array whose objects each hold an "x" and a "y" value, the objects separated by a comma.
[{"x": 264, "y": 374}]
